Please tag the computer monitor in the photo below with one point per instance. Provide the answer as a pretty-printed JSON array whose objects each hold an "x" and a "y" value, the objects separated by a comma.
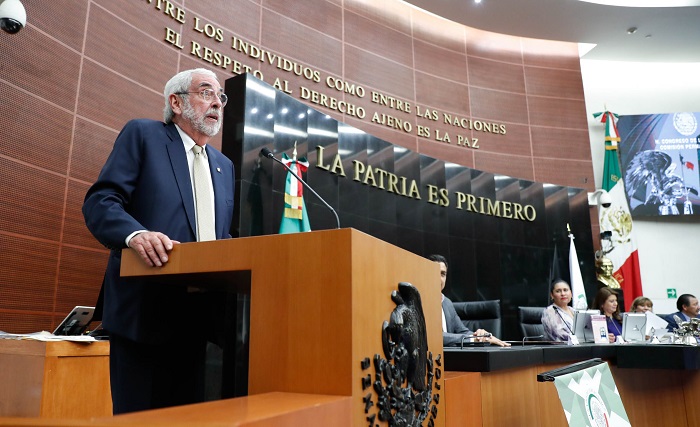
[
  {"x": 76, "y": 322},
  {"x": 634, "y": 326},
  {"x": 582, "y": 325}
]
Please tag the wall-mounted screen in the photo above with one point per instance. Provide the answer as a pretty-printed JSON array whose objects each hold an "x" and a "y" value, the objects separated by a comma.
[{"x": 659, "y": 156}]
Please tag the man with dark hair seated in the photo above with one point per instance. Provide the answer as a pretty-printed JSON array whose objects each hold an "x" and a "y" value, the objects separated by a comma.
[
  {"x": 453, "y": 330},
  {"x": 688, "y": 308}
]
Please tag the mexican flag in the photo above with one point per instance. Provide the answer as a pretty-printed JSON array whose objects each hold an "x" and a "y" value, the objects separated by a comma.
[
  {"x": 294, "y": 217},
  {"x": 617, "y": 217}
]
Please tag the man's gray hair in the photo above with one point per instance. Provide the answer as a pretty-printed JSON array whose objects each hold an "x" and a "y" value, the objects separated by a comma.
[{"x": 180, "y": 82}]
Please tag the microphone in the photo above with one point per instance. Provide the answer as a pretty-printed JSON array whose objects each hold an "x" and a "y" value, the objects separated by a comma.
[
  {"x": 465, "y": 337},
  {"x": 534, "y": 337},
  {"x": 265, "y": 152}
]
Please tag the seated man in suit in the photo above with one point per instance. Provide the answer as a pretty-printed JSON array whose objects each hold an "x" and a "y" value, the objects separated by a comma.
[
  {"x": 453, "y": 330},
  {"x": 688, "y": 308}
]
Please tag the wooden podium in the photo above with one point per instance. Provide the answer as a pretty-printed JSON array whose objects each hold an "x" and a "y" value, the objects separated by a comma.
[{"x": 318, "y": 301}]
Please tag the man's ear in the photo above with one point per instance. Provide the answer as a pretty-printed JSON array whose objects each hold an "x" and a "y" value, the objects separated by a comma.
[{"x": 176, "y": 103}]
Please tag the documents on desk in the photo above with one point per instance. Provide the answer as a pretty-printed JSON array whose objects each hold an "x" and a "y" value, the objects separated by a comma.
[{"x": 47, "y": 337}]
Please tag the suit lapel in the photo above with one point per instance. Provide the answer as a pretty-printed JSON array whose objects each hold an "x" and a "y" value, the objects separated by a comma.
[{"x": 178, "y": 161}]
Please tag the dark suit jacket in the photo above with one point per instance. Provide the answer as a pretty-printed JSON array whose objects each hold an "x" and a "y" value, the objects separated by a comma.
[
  {"x": 455, "y": 328},
  {"x": 145, "y": 185},
  {"x": 672, "y": 322}
]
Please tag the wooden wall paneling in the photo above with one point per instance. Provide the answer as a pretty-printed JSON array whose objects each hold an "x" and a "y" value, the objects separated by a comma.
[
  {"x": 299, "y": 43},
  {"x": 364, "y": 33},
  {"x": 78, "y": 285},
  {"x": 373, "y": 71},
  {"x": 322, "y": 16},
  {"x": 463, "y": 399},
  {"x": 143, "y": 18},
  {"x": 32, "y": 202},
  {"x": 551, "y": 54},
  {"x": 436, "y": 60},
  {"x": 42, "y": 66},
  {"x": 515, "y": 166},
  {"x": 92, "y": 144},
  {"x": 22, "y": 376},
  {"x": 75, "y": 231},
  {"x": 122, "y": 48},
  {"x": 390, "y": 13},
  {"x": 510, "y": 397},
  {"x": 560, "y": 143},
  {"x": 554, "y": 82},
  {"x": 65, "y": 24},
  {"x": 557, "y": 112},
  {"x": 652, "y": 395},
  {"x": 489, "y": 74},
  {"x": 691, "y": 385},
  {"x": 45, "y": 145},
  {"x": 112, "y": 100},
  {"x": 499, "y": 47},
  {"x": 76, "y": 387},
  {"x": 241, "y": 18},
  {"x": 438, "y": 31},
  {"x": 573, "y": 173},
  {"x": 498, "y": 106},
  {"x": 443, "y": 95},
  {"x": 516, "y": 141}
]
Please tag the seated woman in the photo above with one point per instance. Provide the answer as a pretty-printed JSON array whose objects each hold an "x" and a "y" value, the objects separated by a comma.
[
  {"x": 606, "y": 301},
  {"x": 558, "y": 318},
  {"x": 641, "y": 305}
]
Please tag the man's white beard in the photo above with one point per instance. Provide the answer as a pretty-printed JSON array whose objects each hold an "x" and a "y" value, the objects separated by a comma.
[{"x": 198, "y": 123}]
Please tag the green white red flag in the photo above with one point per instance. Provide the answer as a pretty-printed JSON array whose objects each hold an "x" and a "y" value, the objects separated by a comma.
[
  {"x": 294, "y": 218},
  {"x": 617, "y": 217}
]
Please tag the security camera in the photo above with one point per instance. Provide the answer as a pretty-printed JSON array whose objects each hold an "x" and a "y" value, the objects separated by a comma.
[
  {"x": 13, "y": 17},
  {"x": 600, "y": 197}
]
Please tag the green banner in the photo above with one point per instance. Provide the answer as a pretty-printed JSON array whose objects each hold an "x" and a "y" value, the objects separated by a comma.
[{"x": 589, "y": 397}]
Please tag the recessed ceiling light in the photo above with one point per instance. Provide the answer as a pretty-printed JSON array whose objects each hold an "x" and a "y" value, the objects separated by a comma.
[
  {"x": 477, "y": 1},
  {"x": 631, "y": 30}
]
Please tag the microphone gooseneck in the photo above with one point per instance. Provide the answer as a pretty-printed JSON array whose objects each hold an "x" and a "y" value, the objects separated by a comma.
[{"x": 265, "y": 152}]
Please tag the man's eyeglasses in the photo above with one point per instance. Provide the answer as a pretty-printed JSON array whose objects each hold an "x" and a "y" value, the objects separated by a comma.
[{"x": 208, "y": 95}]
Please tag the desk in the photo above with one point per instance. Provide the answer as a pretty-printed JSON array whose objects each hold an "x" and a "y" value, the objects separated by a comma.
[
  {"x": 54, "y": 379},
  {"x": 498, "y": 386}
]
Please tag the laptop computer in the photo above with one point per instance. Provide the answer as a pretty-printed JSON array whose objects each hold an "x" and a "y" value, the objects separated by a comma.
[
  {"x": 76, "y": 322},
  {"x": 634, "y": 327},
  {"x": 582, "y": 325}
]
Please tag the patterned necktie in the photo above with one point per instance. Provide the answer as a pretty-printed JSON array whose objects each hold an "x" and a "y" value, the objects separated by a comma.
[{"x": 202, "y": 197}]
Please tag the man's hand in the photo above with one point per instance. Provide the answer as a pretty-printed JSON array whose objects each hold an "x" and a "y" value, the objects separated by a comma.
[
  {"x": 153, "y": 247},
  {"x": 491, "y": 339}
]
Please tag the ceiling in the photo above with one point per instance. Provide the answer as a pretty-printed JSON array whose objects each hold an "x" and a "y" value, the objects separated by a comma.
[{"x": 664, "y": 34}]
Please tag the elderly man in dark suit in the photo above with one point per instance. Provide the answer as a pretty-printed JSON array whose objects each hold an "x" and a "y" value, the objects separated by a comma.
[
  {"x": 161, "y": 185},
  {"x": 453, "y": 330}
]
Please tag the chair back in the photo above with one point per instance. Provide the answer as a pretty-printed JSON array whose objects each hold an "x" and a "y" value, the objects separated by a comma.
[
  {"x": 481, "y": 315},
  {"x": 530, "y": 319}
]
